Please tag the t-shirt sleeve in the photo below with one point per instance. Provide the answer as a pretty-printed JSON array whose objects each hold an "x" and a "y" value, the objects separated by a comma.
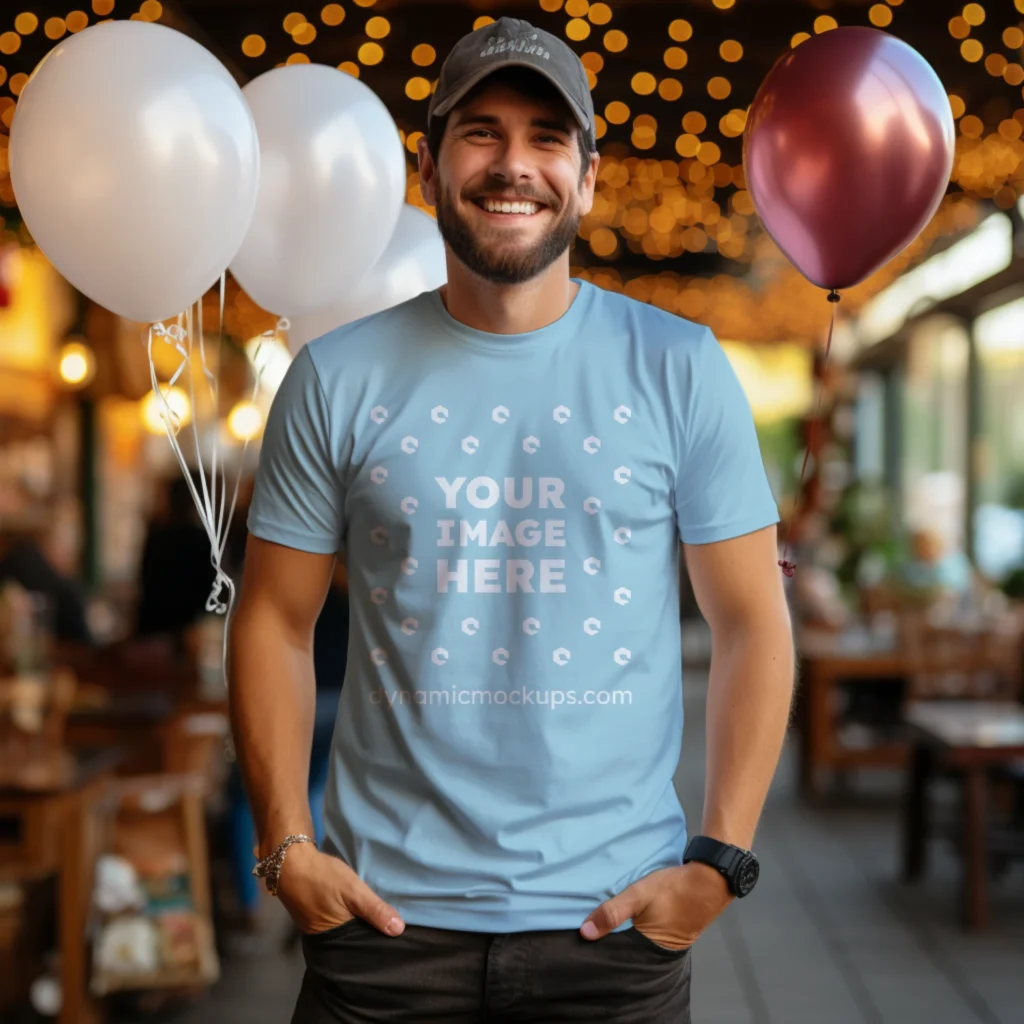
[
  {"x": 721, "y": 488},
  {"x": 298, "y": 498}
]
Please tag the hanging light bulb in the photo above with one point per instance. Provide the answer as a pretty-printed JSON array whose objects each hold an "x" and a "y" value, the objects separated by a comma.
[
  {"x": 77, "y": 365},
  {"x": 245, "y": 421},
  {"x": 154, "y": 412}
]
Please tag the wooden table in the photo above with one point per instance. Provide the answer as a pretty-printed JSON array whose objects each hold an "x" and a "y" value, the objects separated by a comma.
[
  {"x": 969, "y": 737},
  {"x": 826, "y": 660},
  {"x": 51, "y": 801}
]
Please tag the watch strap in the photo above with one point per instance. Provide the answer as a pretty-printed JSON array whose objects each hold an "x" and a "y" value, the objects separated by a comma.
[{"x": 723, "y": 857}]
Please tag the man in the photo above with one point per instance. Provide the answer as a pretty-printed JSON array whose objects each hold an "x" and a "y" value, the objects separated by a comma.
[{"x": 510, "y": 463}]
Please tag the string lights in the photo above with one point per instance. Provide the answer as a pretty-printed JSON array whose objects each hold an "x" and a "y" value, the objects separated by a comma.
[{"x": 670, "y": 185}]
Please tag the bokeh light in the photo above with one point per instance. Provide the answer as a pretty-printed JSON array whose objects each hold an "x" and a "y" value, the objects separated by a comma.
[
  {"x": 958, "y": 28},
  {"x": 644, "y": 83},
  {"x": 694, "y": 122},
  {"x": 417, "y": 88},
  {"x": 77, "y": 365},
  {"x": 670, "y": 89},
  {"x": 880, "y": 15},
  {"x": 719, "y": 88},
  {"x": 676, "y": 58},
  {"x": 154, "y": 410},
  {"x": 245, "y": 421},
  {"x": 974, "y": 14},
  {"x": 332, "y": 15},
  {"x": 423, "y": 55},
  {"x": 680, "y": 30},
  {"x": 254, "y": 46},
  {"x": 972, "y": 50},
  {"x": 615, "y": 41},
  {"x": 577, "y": 29},
  {"x": 731, "y": 50},
  {"x": 617, "y": 112},
  {"x": 371, "y": 53}
]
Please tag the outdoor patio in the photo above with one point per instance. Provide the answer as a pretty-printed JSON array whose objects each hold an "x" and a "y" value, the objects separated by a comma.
[{"x": 830, "y": 936}]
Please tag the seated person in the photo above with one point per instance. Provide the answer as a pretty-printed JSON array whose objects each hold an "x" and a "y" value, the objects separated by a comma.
[
  {"x": 936, "y": 567},
  {"x": 176, "y": 574},
  {"x": 23, "y": 559}
]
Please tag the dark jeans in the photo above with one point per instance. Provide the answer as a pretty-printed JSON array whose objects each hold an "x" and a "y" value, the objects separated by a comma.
[{"x": 355, "y": 974}]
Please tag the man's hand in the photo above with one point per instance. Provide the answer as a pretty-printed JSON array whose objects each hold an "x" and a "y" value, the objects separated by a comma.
[
  {"x": 672, "y": 907},
  {"x": 322, "y": 892}
]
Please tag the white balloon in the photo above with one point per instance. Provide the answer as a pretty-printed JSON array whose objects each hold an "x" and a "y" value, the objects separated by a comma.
[
  {"x": 413, "y": 262},
  {"x": 331, "y": 186},
  {"x": 135, "y": 163}
]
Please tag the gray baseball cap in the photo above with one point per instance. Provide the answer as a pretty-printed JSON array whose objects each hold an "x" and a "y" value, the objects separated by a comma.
[{"x": 510, "y": 42}]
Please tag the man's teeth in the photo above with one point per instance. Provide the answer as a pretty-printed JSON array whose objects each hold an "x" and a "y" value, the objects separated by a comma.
[{"x": 502, "y": 206}]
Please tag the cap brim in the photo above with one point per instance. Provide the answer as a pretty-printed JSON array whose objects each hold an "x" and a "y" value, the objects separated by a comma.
[{"x": 446, "y": 105}]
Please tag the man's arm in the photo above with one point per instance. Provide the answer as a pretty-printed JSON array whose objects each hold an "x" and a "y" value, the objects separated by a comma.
[
  {"x": 738, "y": 587},
  {"x": 273, "y": 690},
  {"x": 272, "y": 700}
]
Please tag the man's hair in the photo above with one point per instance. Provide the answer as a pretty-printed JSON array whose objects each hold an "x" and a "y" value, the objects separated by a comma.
[{"x": 527, "y": 83}]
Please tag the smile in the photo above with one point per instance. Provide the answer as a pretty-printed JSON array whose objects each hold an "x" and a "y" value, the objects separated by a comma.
[{"x": 517, "y": 207}]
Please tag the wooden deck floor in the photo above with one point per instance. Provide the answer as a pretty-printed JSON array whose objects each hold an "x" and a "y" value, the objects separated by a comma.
[{"x": 828, "y": 937}]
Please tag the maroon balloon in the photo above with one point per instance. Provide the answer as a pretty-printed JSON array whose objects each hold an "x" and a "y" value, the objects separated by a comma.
[{"x": 847, "y": 152}]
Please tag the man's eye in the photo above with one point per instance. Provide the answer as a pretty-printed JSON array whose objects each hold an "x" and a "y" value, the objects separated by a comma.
[
  {"x": 550, "y": 138},
  {"x": 480, "y": 131}
]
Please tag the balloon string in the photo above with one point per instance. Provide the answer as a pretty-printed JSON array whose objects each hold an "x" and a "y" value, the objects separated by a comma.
[
  {"x": 211, "y": 502},
  {"x": 789, "y": 567}
]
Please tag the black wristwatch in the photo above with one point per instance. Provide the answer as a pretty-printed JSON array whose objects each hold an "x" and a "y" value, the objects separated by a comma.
[{"x": 737, "y": 866}]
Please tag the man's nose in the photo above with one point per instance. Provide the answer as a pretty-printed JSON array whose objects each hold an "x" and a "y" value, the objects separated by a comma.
[{"x": 512, "y": 164}]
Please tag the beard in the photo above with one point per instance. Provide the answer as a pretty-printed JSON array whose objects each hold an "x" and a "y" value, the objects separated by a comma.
[{"x": 505, "y": 262}]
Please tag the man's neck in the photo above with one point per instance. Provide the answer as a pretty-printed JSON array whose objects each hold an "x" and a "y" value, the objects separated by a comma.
[{"x": 508, "y": 308}]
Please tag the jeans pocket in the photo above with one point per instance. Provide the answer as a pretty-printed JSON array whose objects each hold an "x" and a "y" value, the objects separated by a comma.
[
  {"x": 331, "y": 933},
  {"x": 649, "y": 943}
]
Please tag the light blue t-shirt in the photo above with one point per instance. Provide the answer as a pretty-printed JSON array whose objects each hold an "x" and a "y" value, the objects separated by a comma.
[{"x": 510, "y": 507}]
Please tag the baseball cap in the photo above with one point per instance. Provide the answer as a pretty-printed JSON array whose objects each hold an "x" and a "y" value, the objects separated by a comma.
[{"x": 511, "y": 42}]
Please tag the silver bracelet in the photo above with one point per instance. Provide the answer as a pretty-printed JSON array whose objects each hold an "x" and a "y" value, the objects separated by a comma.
[{"x": 269, "y": 868}]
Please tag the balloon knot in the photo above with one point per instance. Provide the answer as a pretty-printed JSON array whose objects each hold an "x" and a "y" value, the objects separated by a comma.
[
  {"x": 214, "y": 602},
  {"x": 833, "y": 295},
  {"x": 788, "y": 567}
]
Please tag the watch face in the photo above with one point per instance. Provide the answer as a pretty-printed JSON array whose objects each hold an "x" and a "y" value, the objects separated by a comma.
[{"x": 746, "y": 876}]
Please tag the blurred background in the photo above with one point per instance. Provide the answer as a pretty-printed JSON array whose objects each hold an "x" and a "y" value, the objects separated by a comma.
[{"x": 892, "y": 881}]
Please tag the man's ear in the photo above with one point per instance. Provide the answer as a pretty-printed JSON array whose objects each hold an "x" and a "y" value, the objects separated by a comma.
[
  {"x": 428, "y": 172},
  {"x": 588, "y": 184}
]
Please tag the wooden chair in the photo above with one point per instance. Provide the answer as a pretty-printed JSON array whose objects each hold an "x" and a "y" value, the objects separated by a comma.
[
  {"x": 953, "y": 661},
  {"x": 973, "y": 662}
]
